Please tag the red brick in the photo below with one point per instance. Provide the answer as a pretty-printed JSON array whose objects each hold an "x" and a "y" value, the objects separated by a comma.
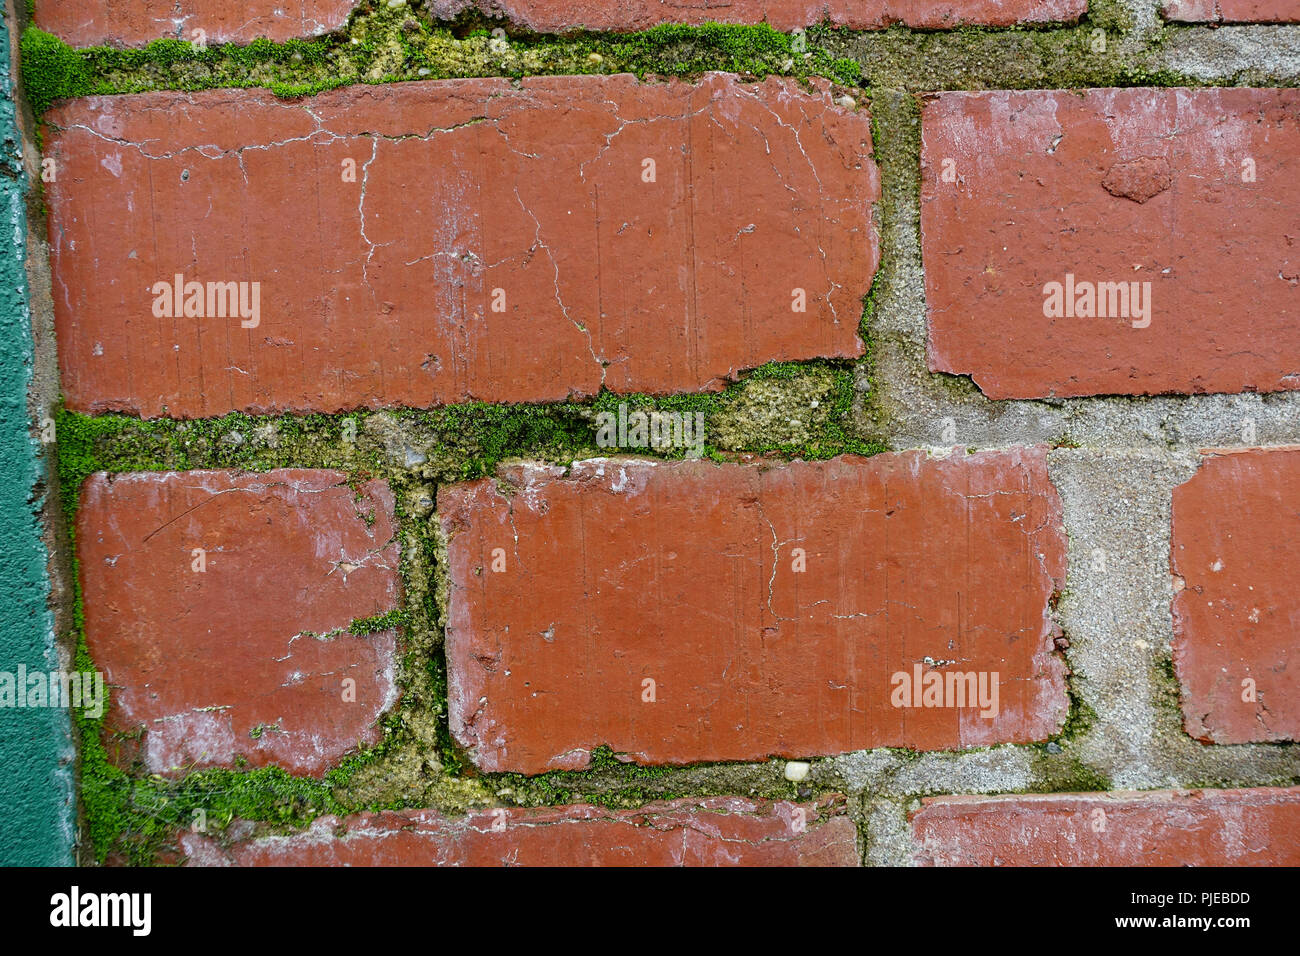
[
  {"x": 1157, "y": 828},
  {"x": 1235, "y": 548},
  {"x": 684, "y": 573},
  {"x": 136, "y": 22},
  {"x": 1233, "y": 11},
  {"x": 720, "y": 831},
  {"x": 466, "y": 187},
  {"x": 554, "y": 16},
  {"x": 1134, "y": 185},
  {"x": 199, "y": 661}
]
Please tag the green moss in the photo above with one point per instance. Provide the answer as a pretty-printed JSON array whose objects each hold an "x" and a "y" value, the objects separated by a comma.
[
  {"x": 1074, "y": 776},
  {"x": 382, "y": 45},
  {"x": 472, "y": 439},
  {"x": 86, "y": 445},
  {"x": 51, "y": 70},
  {"x": 611, "y": 782},
  {"x": 379, "y": 623},
  {"x": 1081, "y": 717},
  {"x": 1112, "y": 16}
]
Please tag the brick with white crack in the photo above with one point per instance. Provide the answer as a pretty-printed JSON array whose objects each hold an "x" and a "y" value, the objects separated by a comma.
[
  {"x": 137, "y": 22},
  {"x": 218, "y": 606},
  {"x": 715, "y": 831},
  {"x": 692, "y": 611},
  {"x": 417, "y": 244}
]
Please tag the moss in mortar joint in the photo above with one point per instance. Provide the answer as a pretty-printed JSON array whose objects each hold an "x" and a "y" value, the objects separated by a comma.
[
  {"x": 616, "y": 783},
  {"x": 416, "y": 763},
  {"x": 382, "y": 44},
  {"x": 465, "y": 441}
]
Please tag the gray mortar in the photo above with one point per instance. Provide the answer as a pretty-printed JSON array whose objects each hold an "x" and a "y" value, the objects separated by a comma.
[{"x": 1234, "y": 56}]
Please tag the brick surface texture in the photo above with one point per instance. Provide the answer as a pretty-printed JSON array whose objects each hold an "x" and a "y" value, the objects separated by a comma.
[
  {"x": 668, "y": 432},
  {"x": 770, "y": 608},
  {"x": 1233, "y": 11},
  {"x": 1149, "y": 194},
  {"x": 722, "y": 831},
  {"x": 1160, "y": 828},
  {"x": 466, "y": 247},
  {"x": 136, "y": 22},
  {"x": 240, "y": 655},
  {"x": 1236, "y": 539}
]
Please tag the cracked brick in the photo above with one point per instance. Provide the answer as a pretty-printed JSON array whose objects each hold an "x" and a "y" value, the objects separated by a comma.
[
  {"x": 771, "y": 608},
  {"x": 132, "y": 23},
  {"x": 425, "y": 243},
  {"x": 217, "y": 605},
  {"x": 718, "y": 831},
  {"x": 1131, "y": 241},
  {"x": 1235, "y": 546}
]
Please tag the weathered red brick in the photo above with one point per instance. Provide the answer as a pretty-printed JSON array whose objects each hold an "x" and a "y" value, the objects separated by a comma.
[
  {"x": 137, "y": 22},
  {"x": 1156, "y": 828},
  {"x": 1233, "y": 11},
  {"x": 242, "y": 659},
  {"x": 720, "y": 831},
  {"x": 1236, "y": 545},
  {"x": 1116, "y": 186},
  {"x": 685, "y": 574},
  {"x": 379, "y": 292},
  {"x": 555, "y": 16}
]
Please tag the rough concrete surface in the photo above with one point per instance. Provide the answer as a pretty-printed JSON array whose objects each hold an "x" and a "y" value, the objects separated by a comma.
[{"x": 37, "y": 811}]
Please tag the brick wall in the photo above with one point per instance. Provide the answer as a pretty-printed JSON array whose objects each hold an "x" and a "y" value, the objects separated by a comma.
[{"x": 540, "y": 432}]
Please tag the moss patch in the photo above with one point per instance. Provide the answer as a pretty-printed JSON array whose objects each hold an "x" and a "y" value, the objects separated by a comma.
[
  {"x": 381, "y": 45},
  {"x": 51, "y": 70}
]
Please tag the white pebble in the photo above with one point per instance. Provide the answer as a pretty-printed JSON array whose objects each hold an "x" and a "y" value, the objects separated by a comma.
[{"x": 796, "y": 770}]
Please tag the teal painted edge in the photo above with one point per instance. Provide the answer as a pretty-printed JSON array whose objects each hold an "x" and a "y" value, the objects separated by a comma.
[{"x": 37, "y": 796}]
